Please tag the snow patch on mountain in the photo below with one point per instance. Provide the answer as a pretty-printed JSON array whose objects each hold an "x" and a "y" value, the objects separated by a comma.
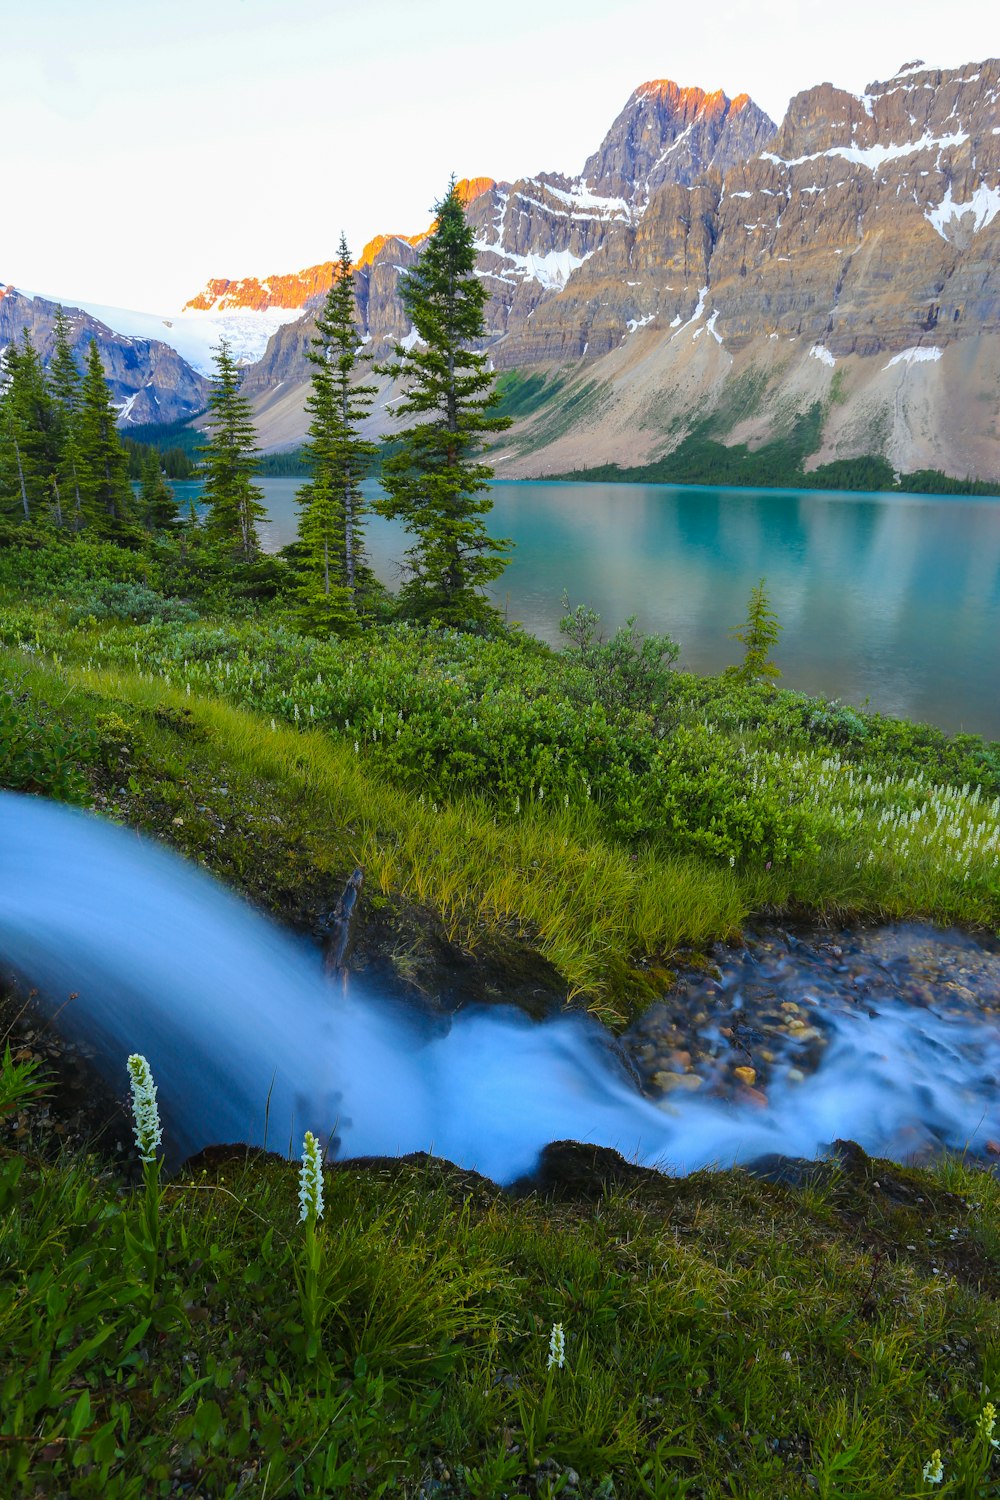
[
  {"x": 875, "y": 156},
  {"x": 948, "y": 216},
  {"x": 551, "y": 270},
  {"x": 820, "y": 352},
  {"x": 580, "y": 197},
  {"x": 919, "y": 356}
]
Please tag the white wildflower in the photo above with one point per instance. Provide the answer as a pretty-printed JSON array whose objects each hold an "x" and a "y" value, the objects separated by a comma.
[
  {"x": 986, "y": 1421},
  {"x": 557, "y": 1347},
  {"x": 144, "y": 1108},
  {"x": 310, "y": 1180},
  {"x": 934, "y": 1468}
]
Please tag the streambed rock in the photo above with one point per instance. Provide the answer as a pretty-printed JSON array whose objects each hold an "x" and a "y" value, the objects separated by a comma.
[{"x": 770, "y": 1015}]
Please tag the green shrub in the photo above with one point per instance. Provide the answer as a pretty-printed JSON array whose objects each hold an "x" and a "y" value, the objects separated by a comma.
[
  {"x": 39, "y": 752},
  {"x": 838, "y": 724},
  {"x": 132, "y": 601},
  {"x": 630, "y": 673}
]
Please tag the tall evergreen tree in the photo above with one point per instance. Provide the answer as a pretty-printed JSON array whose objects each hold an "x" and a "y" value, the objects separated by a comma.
[
  {"x": 160, "y": 511},
  {"x": 30, "y": 431},
  {"x": 13, "y": 476},
  {"x": 230, "y": 460},
  {"x": 332, "y": 506},
  {"x": 108, "y": 506},
  {"x": 64, "y": 382},
  {"x": 436, "y": 481}
]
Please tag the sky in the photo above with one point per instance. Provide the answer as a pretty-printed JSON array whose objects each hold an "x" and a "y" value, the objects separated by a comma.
[{"x": 150, "y": 146}]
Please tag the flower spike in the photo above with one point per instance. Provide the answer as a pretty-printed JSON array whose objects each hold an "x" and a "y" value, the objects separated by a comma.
[{"x": 146, "y": 1114}]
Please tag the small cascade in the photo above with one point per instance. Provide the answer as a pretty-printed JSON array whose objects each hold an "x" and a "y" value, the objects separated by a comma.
[{"x": 248, "y": 1041}]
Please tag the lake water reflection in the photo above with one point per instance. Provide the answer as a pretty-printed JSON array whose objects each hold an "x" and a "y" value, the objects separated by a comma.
[{"x": 893, "y": 598}]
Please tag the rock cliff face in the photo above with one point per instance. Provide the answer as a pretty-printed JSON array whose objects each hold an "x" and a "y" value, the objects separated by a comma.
[
  {"x": 869, "y": 224},
  {"x": 149, "y": 380},
  {"x": 294, "y": 290}
]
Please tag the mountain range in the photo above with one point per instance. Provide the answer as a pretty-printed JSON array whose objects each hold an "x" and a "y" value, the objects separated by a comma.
[{"x": 705, "y": 265}]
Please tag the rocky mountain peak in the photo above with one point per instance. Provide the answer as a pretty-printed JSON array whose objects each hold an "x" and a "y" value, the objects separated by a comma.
[
  {"x": 668, "y": 133},
  {"x": 847, "y": 261},
  {"x": 471, "y": 188},
  {"x": 383, "y": 243},
  {"x": 291, "y": 290}
]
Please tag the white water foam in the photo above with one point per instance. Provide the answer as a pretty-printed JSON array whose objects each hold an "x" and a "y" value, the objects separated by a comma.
[{"x": 239, "y": 1024}]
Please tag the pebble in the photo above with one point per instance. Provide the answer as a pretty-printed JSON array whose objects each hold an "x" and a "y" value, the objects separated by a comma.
[
  {"x": 749, "y": 1023},
  {"x": 665, "y": 1082}
]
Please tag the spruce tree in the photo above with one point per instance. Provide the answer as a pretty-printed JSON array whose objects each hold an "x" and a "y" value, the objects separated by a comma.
[
  {"x": 230, "y": 459},
  {"x": 758, "y": 635},
  {"x": 436, "y": 481},
  {"x": 160, "y": 511},
  {"x": 332, "y": 507},
  {"x": 64, "y": 382},
  {"x": 108, "y": 506},
  {"x": 13, "y": 476},
  {"x": 30, "y": 432}
]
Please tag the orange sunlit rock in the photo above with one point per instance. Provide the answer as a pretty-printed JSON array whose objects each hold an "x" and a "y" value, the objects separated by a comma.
[{"x": 297, "y": 288}]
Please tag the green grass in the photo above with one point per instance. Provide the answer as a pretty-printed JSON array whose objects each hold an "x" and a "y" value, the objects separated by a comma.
[
  {"x": 724, "y": 1336},
  {"x": 523, "y": 394},
  {"x": 554, "y": 419}
]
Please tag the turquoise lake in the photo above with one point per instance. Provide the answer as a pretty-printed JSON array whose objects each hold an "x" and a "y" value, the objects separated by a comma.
[{"x": 886, "y": 597}]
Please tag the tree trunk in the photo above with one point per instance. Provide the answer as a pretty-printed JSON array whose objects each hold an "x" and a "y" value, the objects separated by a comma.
[
  {"x": 112, "y": 510},
  {"x": 79, "y": 503},
  {"x": 20, "y": 475}
]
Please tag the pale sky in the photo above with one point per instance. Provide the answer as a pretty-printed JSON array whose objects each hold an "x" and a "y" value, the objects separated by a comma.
[{"x": 150, "y": 144}]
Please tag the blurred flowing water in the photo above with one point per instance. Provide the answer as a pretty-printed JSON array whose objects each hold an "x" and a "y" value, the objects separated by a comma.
[{"x": 140, "y": 952}]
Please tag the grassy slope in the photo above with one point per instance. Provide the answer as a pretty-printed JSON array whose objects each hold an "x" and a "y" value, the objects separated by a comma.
[{"x": 725, "y": 1336}]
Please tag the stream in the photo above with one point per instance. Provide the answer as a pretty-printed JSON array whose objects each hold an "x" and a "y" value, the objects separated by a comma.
[{"x": 887, "y": 1036}]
